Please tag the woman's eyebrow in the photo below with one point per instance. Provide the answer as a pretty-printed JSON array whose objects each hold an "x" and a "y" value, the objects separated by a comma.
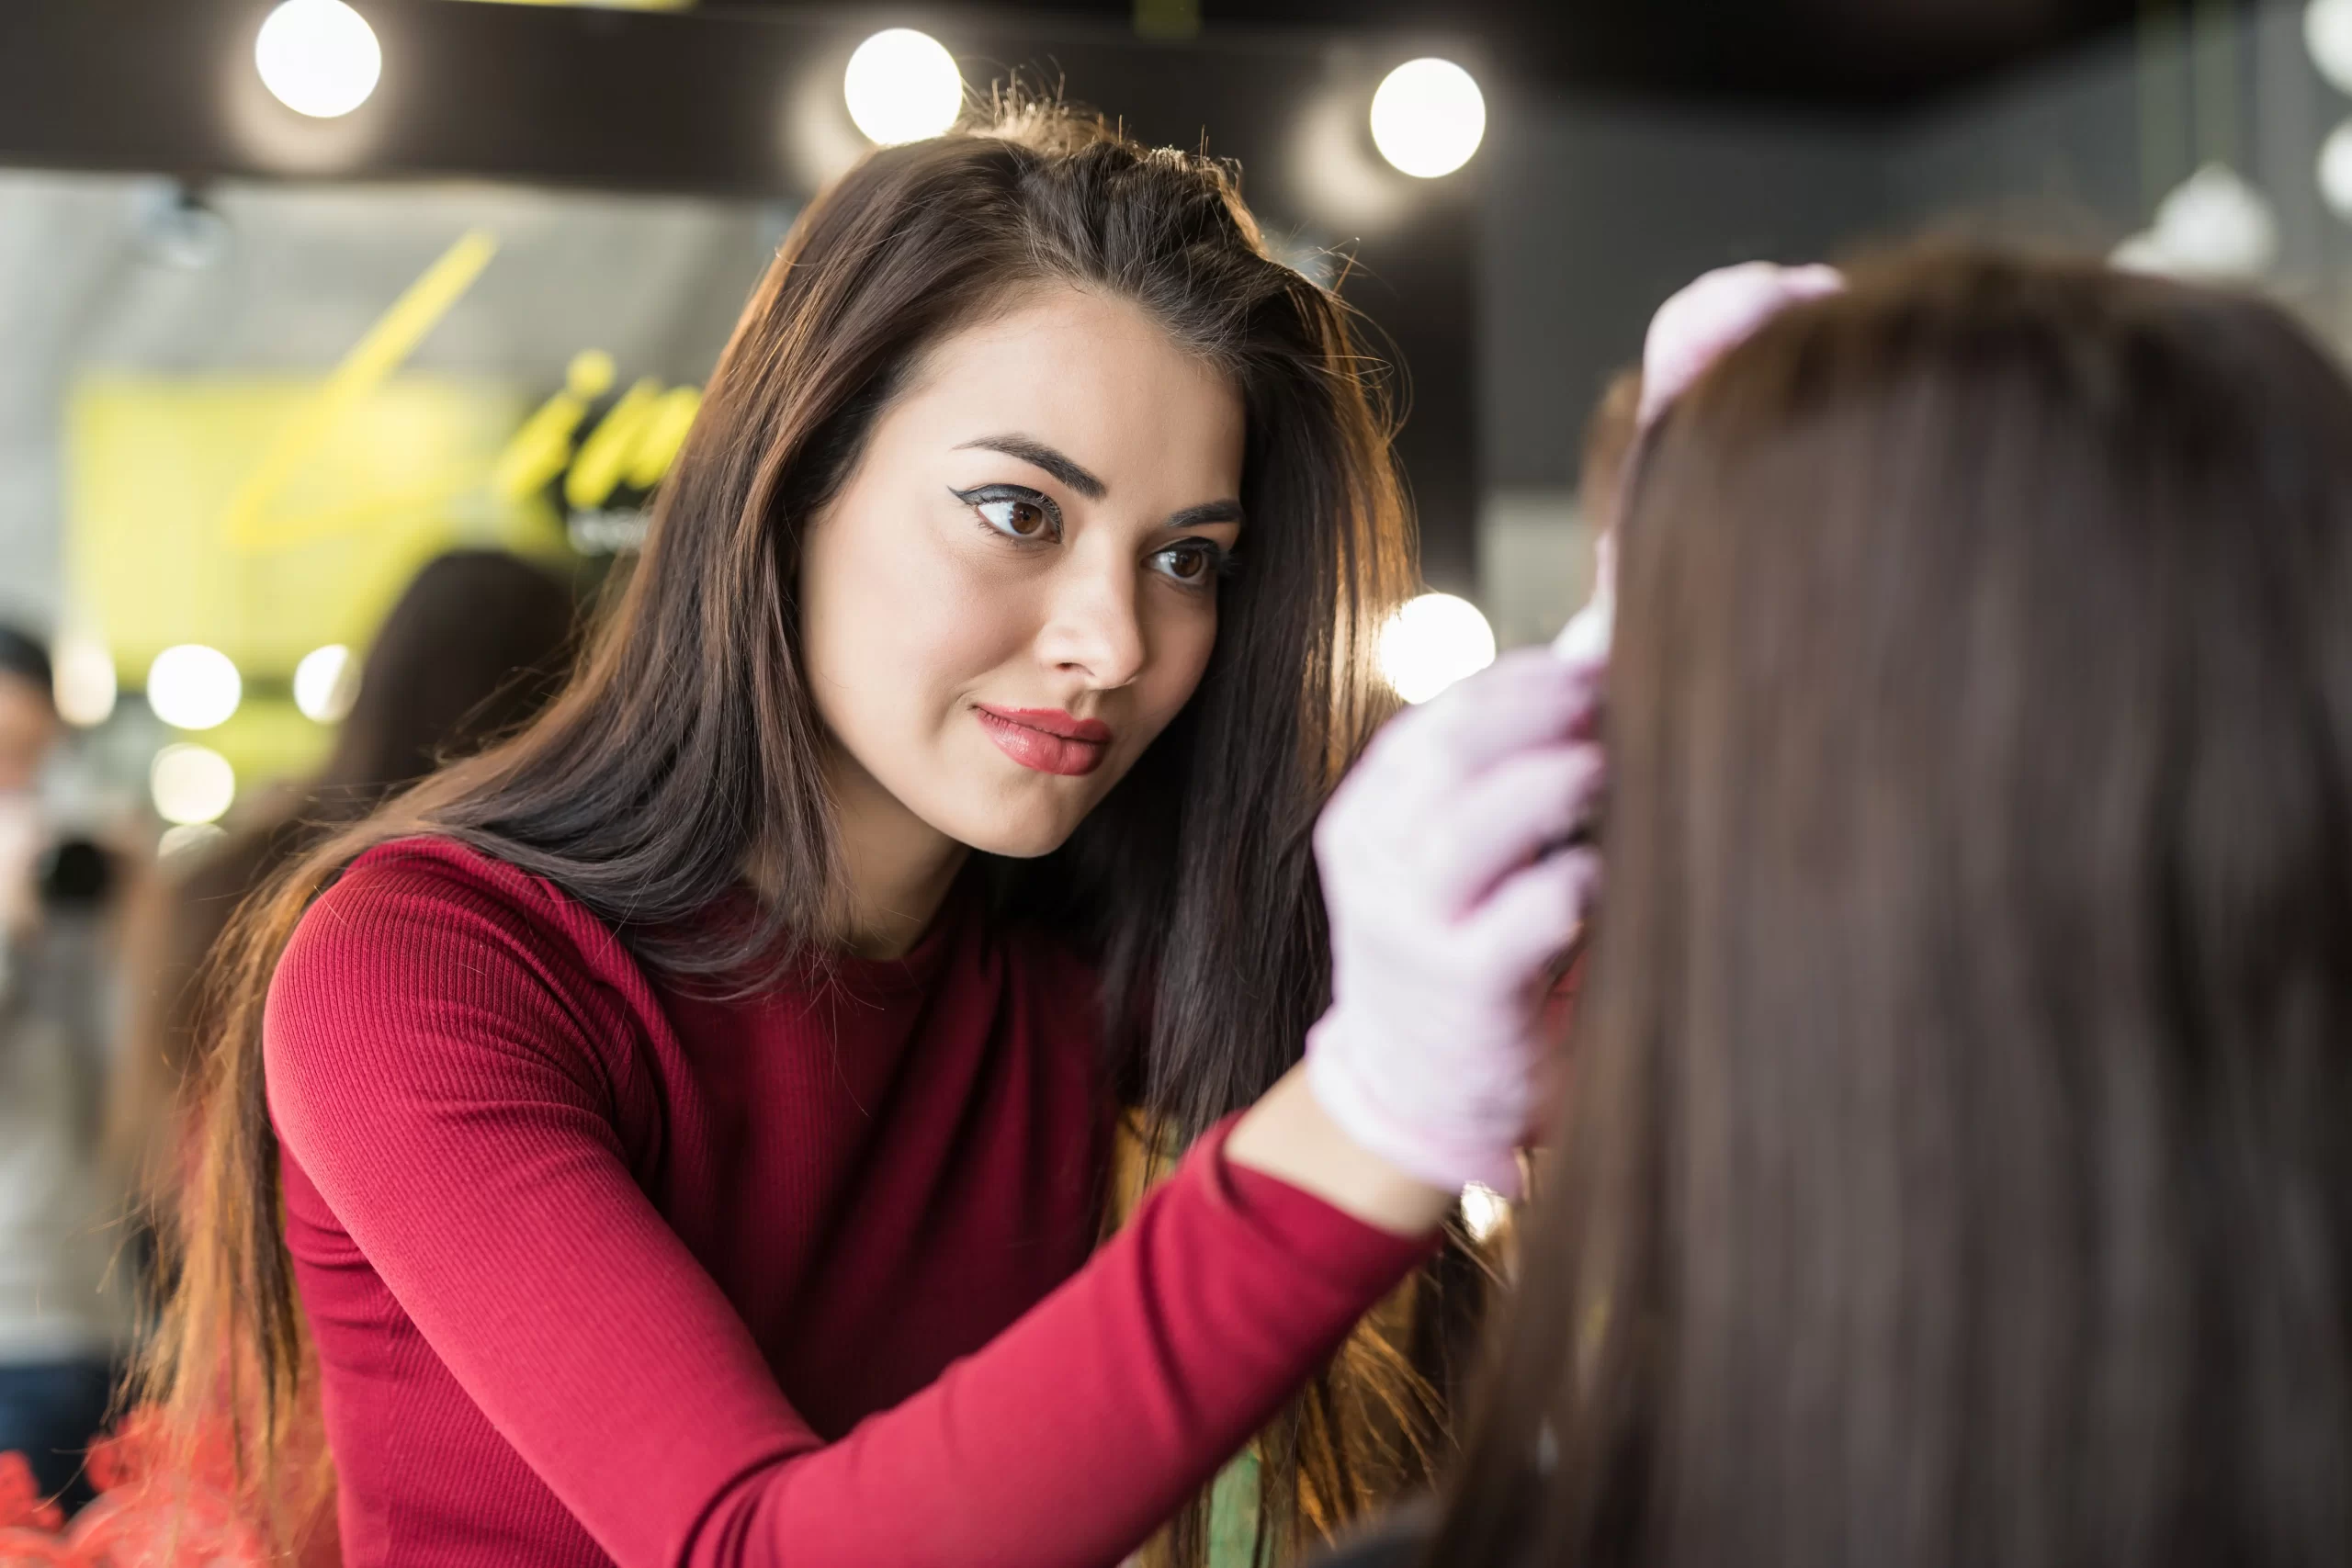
[
  {"x": 1038, "y": 455},
  {"x": 1206, "y": 515}
]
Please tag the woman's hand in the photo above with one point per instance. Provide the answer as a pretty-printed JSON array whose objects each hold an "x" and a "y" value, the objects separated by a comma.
[
  {"x": 1454, "y": 884},
  {"x": 1452, "y": 892},
  {"x": 1709, "y": 316}
]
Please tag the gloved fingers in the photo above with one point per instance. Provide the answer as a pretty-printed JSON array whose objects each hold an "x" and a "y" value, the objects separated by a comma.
[
  {"x": 1506, "y": 818},
  {"x": 1585, "y": 639},
  {"x": 1525, "y": 698},
  {"x": 1533, "y": 916},
  {"x": 1413, "y": 780},
  {"x": 1694, "y": 327}
]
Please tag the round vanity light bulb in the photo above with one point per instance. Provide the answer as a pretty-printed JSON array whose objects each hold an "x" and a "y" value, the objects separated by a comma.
[
  {"x": 902, "y": 85},
  {"x": 1428, "y": 118},
  {"x": 193, "y": 687},
  {"x": 1433, "y": 642}
]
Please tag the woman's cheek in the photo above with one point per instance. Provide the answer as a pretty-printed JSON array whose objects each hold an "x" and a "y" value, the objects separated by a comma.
[
  {"x": 928, "y": 613},
  {"x": 1181, "y": 652}
]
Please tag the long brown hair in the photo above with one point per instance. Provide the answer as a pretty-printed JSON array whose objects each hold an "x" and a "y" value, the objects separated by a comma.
[
  {"x": 687, "y": 748},
  {"x": 1957, "y": 1169}
]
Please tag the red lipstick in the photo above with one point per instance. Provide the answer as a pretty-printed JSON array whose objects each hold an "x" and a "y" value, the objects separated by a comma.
[{"x": 1047, "y": 739}]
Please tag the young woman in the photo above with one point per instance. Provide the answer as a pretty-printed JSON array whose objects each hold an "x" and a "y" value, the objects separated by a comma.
[
  {"x": 694, "y": 1112},
  {"x": 1956, "y": 1171}
]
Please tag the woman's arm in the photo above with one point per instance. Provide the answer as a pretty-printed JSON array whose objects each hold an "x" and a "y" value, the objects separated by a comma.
[
  {"x": 466, "y": 1143},
  {"x": 1289, "y": 1135}
]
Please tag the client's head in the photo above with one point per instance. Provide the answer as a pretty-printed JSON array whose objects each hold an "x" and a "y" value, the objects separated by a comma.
[{"x": 1956, "y": 1169}]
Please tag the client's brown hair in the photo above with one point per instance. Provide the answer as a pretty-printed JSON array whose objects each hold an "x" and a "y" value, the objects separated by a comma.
[{"x": 1956, "y": 1170}]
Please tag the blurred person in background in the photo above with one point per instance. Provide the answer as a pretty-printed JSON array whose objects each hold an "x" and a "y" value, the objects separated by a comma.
[
  {"x": 1958, "y": 1164},
  {"x": 693, "y": 1116},
  {"x": 66, "y": 1308},
  {"x": 475, "y": 645}
]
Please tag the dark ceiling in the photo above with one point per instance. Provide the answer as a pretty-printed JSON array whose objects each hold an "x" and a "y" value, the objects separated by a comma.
[{"x": 1836, "y": 54}]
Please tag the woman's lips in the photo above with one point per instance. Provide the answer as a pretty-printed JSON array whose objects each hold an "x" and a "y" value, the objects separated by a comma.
[{"x": 1047, "y": 739}]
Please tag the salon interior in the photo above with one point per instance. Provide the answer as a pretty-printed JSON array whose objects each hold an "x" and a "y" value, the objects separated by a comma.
[{"x": 300, "y": 298}]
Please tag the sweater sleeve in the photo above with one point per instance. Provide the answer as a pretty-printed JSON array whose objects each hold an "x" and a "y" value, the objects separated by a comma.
[{"x": 439, "y": 1080}]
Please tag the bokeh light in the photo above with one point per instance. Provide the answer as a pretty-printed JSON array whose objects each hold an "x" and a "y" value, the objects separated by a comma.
[
  {"x": 1484, "y": 1210},
  {"x": 186, "y": 837},
  {"x": 902, "y": 85},
  {"x": 1433, "y": 642},
  {"x": 318, "y": 57},
  {"x": 193, "y": 687},
  {"x": 2216, "y": 224},
  {"x": 2327, "y": 33},
  {"x": 2336, "y": 171},
  {"x": 1428, "y": 118},
  {"x": 191, "y": 784},
  {"x": 323, "y": 684},
  {"x": 83, "y": 680}
]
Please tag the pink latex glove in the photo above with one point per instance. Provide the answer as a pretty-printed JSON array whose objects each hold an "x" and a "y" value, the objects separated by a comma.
[
  {"x": 1722, "y": 308},
  {"x": 1447, "y": 916},
  {"x": 1692, "y": 331}
]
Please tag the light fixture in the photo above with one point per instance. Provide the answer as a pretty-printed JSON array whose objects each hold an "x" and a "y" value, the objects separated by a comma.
[
  {"x": 2142, "y": 252},
  {"x": 902, "y": 85},
  {"x": 191, "y": 784},
  {"x": 2216, "y": 224},
  {"x": 325, "y": 683},
  {"x": 2327, "y": 33},
  {"x": 1433, "y": 642},
  {"x": 82, "y": 681},
  {"x": 187, "y": 836},
  {"x": 1428, "y": 118},
  {"x": 318, "y": 57},
  {"x": 192, "y": 686},
  {"x": 2336, "y": 171}
]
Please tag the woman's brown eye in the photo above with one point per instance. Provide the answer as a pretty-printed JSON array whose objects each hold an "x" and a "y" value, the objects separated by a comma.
[
  {"x": 1022, "y": 519},
  {"x": 1194, "y": 565}
]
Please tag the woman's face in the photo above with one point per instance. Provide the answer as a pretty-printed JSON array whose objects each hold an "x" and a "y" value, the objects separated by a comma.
[{"x": 1016, "y": 588}]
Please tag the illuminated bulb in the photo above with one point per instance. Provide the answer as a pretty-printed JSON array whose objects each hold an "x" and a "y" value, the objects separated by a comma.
[
  {"x": 192, "y": 686},
  {"x": 1431, "y": 643},
  {"x": 318, "y": 57},
  {"x": 902, "y": 85},
  {"x": 1428, "y": 118},
  {"x": 2214, "y": 224},
  {"x": 2336, "y": 171},
  {"x": 1483, "y": 1209},
  {"x": 324, "y": 686},
  {"x": 83, "y": 681},
  {"x": 191, "y": 784},
  {"x": 2327, "y": 33},
  {"x": 185, "y": 837},
  {"x": 2142, "y": 252}
]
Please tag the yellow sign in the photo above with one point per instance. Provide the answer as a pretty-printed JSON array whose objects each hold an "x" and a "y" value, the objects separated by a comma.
[
  {"x": 269, "y": 516},
  {"x": 386, "y": 347},
  {"x": 629, "y": 449},
  {"x": 155, "y": 463}
]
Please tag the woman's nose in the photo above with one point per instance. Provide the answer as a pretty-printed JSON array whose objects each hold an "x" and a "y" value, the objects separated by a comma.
[{"x": 1092, "y": 625}]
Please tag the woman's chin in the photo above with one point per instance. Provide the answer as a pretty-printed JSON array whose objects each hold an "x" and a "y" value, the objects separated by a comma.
[
  {"x": 1019, "y": 824},
  {"x": 1023, "y": 839},
  {"x": 1018, "y": 813}
]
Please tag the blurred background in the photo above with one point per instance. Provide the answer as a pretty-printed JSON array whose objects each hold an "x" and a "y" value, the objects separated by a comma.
[{"x": 295, "y": 297}]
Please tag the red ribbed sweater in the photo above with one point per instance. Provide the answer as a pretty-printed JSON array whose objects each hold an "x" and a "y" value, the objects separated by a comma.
[{"x": 601, "y": 1272}]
